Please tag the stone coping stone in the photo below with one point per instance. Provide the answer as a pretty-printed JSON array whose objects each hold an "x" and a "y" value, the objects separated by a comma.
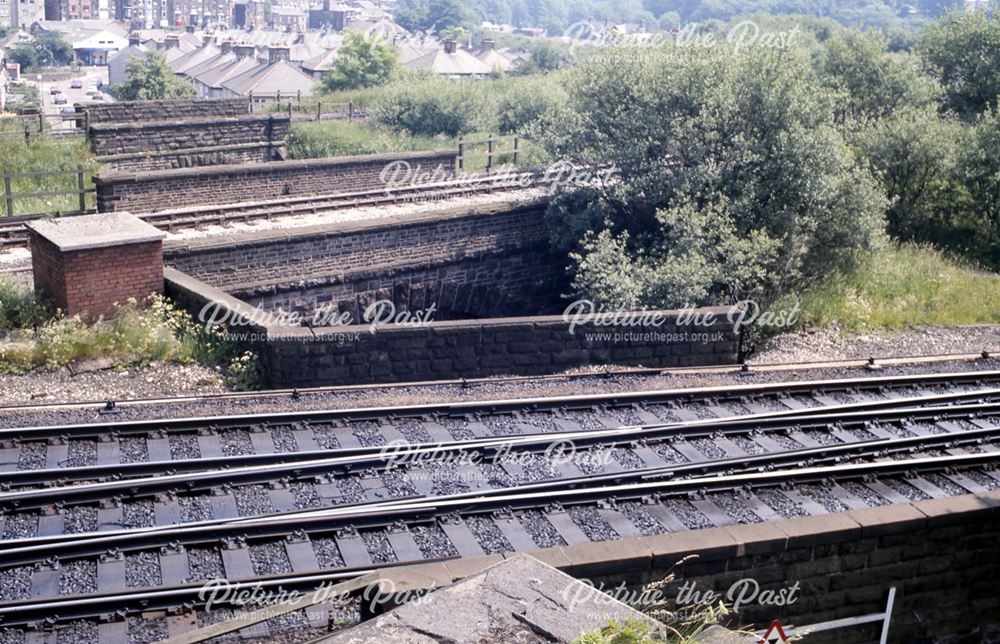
[
  {"x": 121, "y": 176},
  {"x": 520, "y": 596},
  {"x": 102, "y": 230},
  {"x": 300, "y": 234}
]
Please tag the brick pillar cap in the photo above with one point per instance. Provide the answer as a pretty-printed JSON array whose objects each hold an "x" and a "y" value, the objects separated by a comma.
[{"x": 95, "y": 231}]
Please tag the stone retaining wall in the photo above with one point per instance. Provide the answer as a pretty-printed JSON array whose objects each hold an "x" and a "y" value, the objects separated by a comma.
[
  {"x": 108, "y": 139},
  {"x": 162, "y": 189},
  {"x": 119, "y": 111}
]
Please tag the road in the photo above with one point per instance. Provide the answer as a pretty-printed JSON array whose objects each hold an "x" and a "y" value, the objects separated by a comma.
[{"x": 77, "y": 95}]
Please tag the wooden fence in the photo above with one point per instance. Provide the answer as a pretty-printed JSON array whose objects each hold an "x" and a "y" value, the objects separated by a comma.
[
  {"x": 80, "y": 192},
  {"x": 489, "y": 150}
]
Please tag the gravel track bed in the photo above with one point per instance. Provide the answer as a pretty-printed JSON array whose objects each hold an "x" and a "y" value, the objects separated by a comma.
[
  {"x": 33, "y": 455},
  {"x": 133, "y": 449},
  {"x": 501, "y": 425},
  {"x": 78, "y": 577},
  {"x": 397, "y": 484},
  {"x": 15, "y": 583},
  {"x": 458, "y": 429},
  {"x": 540, "y": 421},
  {"x": 369, "y": 434},
  {"x": 823, "y": 438},
  {"x": 865, "y": 493},
  {"x": 736, "y": 508},
  {"x": 433, "y": 542},
  {"x": 585, "y": 420},
  {"x": 448, "y": 478},
  {"x": 12, "y": 636},
  {"x": 668, "y": 453},
  {"x": 235, "y": 442},
  {"x": 895, "y": 431},
  {"x": 252, "y": 499},
  {"x": 183, "y": 446},
  {"x": 80, "y": 632},
  {"x": 780, "y": 503},
  {"x": 946, "y": 484},
  {"x": 327, "y": 553},
  {"x": 662, "y": 412},
  {"x": 592, "y": 524},
  {"x": 542, "y": 532},
  {"x": 641, "y": 519},
  {"x": 306, "y": 495},
  {"x": 142, "y": 570},
  {"x": 708, "y": 448},
  {"x": 495, "y": 476},
  {"x": 145, "y": 630},
  {"x": 688, "y": 514},
  {"x": 535, "y": 468},
  {"x": 138, "y": 514},
  {"x": 444, "y": 393},
  {"x": 79, "y": 518},
  {"x": 627, "y": 459},
  {"x": 21, "y": 525},
  {"x": 907, "y": 490},
  {"x": 987, "y": 482},
  {"x": 701, "y": 411},
  {"x": 412, "y": 431},
  {"x": 747, "y": 445},
  {"x": 379, "y": 548},
  {"x": 194, "y": 508},
  {"x": 785, "y": 441},
  {"x": 350, "y": 491},
  {"x": 488, "y": 535},
  {"x": 81, "y": 453},
  {"x": 821, "y": 495},
  {"x": 270, "y": 558},
  {"x": 284, "y": 440},
  {"x": 326, "y": 437},
  {"x": 205, "y": 564},
  {"x": 862, "y": 434}
]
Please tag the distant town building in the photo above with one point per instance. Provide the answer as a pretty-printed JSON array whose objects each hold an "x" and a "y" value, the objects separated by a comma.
[{"x": 289, "y": 19}]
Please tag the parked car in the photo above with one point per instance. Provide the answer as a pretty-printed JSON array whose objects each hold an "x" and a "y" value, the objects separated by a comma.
[
  {"x": 98, "y": 96},
  {"x": 76, "y": 83},
  {"x": 91, "y": 91},
  {"x": 60, "y": 99},
  {"x": 69, "y": 109},
  {"x": 55, "y": 90}
]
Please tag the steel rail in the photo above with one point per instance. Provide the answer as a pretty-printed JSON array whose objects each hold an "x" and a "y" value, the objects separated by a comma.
[
  {"x": 55, "y": 610},
  {"x": 468, "y": 383},
  {"x": 380, "y": 514},
  {"x": 203, "y": 474},
  {"x": 496, "y": 407}
]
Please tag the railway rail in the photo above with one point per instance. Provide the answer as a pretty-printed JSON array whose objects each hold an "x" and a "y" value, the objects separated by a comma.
[
  {"x": 724, "y": 455},
  {"x": 13, "y": 232}
]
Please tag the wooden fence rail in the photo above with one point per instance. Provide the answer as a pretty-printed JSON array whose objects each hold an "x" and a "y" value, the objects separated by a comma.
[{"x": 80, "y": 190}]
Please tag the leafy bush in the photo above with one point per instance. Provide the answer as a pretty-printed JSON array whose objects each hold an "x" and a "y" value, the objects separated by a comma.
[
  {"x": 339, "y": 138},
  {"x": 429, "y": 108},
  {"x": 534, "y": 103}
]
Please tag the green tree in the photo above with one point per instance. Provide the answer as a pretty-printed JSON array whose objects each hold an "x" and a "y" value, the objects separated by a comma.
[
  {"x": 979, "y": 170},
  {"x": 733, "y": 182},
  {"x": 432, "y": 15},
  {"x": 149, "y": 78},
  {"x": 871, "y": 83},
  {"x": 362, "y": 61},
  {"x": 963, "y": 51},
  {"x": 47, "y": 49}
]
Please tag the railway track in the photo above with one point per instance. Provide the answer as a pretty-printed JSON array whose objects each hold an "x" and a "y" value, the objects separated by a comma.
[
  {"x": 104, "y": 542},
  {"x": 13, "y": 232}
]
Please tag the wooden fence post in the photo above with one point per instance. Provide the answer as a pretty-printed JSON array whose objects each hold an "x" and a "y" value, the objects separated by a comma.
[
  {"x": 517, "y": 149},
  {"x": 41, "y": 122},
  {"x": 298, "y": 96},
  {"x": 319, "y": 111},
  {"x": 489, "y": 153},
  {"x": 350, "y": 111},
  {"x": 250, "y": 96},
  {"x": 81, "y": 188},
  {"x": 461, "y": 156},
  {"x": 289, "y": 109},
  {"x": 8, "y": 198}
]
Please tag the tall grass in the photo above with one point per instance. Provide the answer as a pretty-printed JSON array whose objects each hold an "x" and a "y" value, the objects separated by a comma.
[
  {"x": 42, "y": 154},
  {"x": 905, "y": 285}
]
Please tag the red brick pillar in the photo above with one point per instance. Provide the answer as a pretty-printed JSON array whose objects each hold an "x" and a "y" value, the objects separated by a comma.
[{"x": 86, "y": 264}]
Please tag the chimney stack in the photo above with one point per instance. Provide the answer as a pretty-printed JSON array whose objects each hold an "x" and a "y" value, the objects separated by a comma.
[
  {"x": 276, "y": 53},
  {"x": 171, "y": 41},
  {"x": 134, "y": 40},
  {"x": 226, "y": 46},
  {"x": 244, "y": 51},
  {"x": 488, "y": 44},
  {"x": 449, "y": 46}
]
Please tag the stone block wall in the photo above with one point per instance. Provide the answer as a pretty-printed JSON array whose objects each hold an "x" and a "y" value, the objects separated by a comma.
[
  {"x": 122, "y": 111},
  {"x": 469, "y": 262},
  {"x": 108, "y": 139},
  {"x": 164, "y": 189},
  {"x": 300, "y": 357},
  {"x": 193, "y": 157}
]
